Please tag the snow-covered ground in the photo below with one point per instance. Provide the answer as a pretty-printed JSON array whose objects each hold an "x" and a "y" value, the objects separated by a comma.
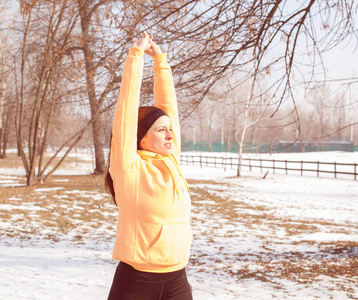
[{"x": 283, "y": 237}]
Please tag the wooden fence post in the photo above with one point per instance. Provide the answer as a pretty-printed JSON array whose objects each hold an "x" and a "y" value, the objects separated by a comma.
[
  {"x": 335, "y": 170},
  {"x": 273, "y": 166},
  {"x": 301, "y": 168},
  {"x": 355, "y": 171}
]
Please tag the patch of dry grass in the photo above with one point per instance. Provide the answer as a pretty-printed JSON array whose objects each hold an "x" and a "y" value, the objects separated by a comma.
[
  {"x": 13, "y": 161},
  {"x": 62, "y": 204},
  {"x": 207, "y": 182},
  {"x": 241, "y": 211},
  {"x": 68, "y": 183}
]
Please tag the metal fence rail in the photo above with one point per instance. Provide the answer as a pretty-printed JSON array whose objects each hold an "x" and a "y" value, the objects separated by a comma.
[{"x": 298, "y": 166}]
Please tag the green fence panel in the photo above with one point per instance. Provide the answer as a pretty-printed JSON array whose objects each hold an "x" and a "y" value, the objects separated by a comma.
[{"x": 268, "y": 148}]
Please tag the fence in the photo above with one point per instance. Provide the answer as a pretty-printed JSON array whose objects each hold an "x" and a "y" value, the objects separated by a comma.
[{"x": 284, "y": 166}]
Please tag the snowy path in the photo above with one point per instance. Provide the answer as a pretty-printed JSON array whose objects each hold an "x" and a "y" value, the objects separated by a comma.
[{"x": 45, "y": 270}]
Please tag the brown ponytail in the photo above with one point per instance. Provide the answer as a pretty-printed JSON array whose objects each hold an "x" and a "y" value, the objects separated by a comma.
[{"x": 108, "y": 181}]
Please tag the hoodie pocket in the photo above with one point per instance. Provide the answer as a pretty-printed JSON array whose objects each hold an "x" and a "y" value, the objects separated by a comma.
[{"x": 172, "y": 245}]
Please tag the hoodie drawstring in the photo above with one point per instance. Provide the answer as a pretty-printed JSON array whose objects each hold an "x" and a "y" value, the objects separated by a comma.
[
  {"x": 176, "y": 164},
  {"x": 174, "y": 161}
]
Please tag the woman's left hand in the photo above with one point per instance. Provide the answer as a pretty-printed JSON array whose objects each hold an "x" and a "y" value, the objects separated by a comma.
[{"x": 154, "y": 48}]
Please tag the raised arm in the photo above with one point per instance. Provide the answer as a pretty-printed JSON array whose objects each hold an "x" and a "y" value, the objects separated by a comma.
[
  {"x": 124, "y": 132},
  {"x": 164, "y": 96}
]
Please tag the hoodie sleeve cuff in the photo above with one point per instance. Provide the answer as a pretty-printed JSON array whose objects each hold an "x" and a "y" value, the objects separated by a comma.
[
  {"x": 136, "y": 52},
  {"x": 160, "y": 60}
]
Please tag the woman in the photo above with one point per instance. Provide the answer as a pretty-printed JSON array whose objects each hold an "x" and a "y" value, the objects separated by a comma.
[{"x": 153, "y": 232}]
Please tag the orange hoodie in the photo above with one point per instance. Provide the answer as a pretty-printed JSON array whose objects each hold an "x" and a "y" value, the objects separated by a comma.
[{"x": 153, "y": 230}]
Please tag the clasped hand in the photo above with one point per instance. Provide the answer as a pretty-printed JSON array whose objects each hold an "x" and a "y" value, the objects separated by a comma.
[{"x": 146, "y": 43}]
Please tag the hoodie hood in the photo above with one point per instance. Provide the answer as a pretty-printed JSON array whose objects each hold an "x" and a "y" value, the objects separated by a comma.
[{"x": 168, "y": 160}]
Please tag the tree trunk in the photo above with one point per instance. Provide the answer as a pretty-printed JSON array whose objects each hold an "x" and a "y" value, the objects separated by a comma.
[
  {"x": 19, "y": 118},
  {"x": 2, "y": 105},
  {"x": 249, "y": 97},
  {"x": 6, "y": 129},
  {"x": 210, "y": 140},
  {"x": 241, "y": 146},
  {"x": 100, "y": 166}
]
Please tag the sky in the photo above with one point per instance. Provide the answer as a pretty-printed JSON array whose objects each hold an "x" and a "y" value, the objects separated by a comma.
[{"x": 338, "y": 62}]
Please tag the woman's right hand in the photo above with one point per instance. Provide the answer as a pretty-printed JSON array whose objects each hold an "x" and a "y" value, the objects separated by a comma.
[
  {"x": 143, "y": 43},
  {"x": 154, "y": 48}
]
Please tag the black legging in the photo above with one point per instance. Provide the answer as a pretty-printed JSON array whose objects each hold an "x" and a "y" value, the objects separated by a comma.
[{"x": 130, "y": 284}]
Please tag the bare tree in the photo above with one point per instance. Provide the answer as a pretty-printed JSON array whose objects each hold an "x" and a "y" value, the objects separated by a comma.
[
  {"x": 46, "y": 33},
  {"x": 87, "y": 9},
  {"x": 104, "y": 41},
  {"x": 2, "y": 95},
  {"x": 320, "y": 99},
  {"x": 339, "y": 115},
  {"x": 4, "y": 73}
]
